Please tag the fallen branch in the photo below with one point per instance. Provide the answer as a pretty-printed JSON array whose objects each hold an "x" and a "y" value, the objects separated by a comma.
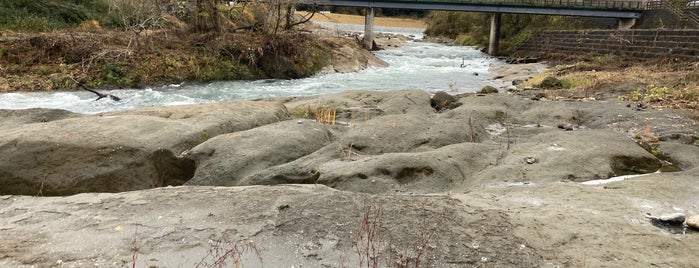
[{"x": 99, "y": 95}]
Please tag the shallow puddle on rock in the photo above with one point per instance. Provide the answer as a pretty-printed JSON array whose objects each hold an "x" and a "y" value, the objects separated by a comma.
[
  {"x": 612, "y": 179},
  {"x": 673, "y": 228},
  {"x": 669, "y": 167},
  {"x": 495, "y": 129}
]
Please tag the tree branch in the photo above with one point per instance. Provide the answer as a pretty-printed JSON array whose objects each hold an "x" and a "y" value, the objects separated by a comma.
[{"x": 99, "y": 95}]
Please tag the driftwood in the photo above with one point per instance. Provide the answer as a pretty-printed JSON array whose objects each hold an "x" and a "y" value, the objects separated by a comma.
[
  {"x": 522, "y": 60},
  {"x": 99, "y": 95}
]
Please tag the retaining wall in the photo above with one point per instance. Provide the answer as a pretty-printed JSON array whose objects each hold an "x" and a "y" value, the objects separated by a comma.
[{"x": 641, "y": 44}]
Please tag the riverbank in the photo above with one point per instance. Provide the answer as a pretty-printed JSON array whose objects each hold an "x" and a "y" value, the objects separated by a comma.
[{"x": 114, "y": 59}]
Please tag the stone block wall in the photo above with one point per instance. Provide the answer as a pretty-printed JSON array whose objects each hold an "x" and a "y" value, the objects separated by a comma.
[{"x": 640, "y": 44}]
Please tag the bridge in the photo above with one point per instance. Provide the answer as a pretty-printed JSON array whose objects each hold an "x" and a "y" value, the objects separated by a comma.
[{"x": 627, "y": 11}]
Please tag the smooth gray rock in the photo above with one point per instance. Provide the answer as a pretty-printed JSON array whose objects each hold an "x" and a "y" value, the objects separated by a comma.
[
  {"x": 355, "y": 101},
  {"x": 432, "y": 171},
  {"x": 572, "y": 156},
  {"x": 683, "y": 156},
  {"x": 299, "y": 225},
  {"x": 14, "y": 118},
  {"x": 676, "y": 218},
  {"x": 412, "y": 132},
  {"x": 226, "y": 159},
  {"x": 300, "y": 171},
  {"x": 119, "y": 151}
]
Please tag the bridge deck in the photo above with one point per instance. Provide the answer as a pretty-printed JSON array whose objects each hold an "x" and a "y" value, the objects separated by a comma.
[{"x": 586, "y": 8}]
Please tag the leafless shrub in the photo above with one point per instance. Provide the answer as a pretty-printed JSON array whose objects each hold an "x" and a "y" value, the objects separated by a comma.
[
  {"x": 578, "y": 118},
  {"x": 371, "y": 236},
  {"x": 348, "y": 154},
  {"x": 373, "y": 241},
  {"x": 417, "y": 254},
  {"x": 225, "y": 250},
  {"x": 139, "y": 17}
]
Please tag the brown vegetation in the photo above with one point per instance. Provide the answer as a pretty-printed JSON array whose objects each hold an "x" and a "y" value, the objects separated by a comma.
[
  {"x": 47, "y": 61},
  {"x": 154, "y": 46},
  {"x": 655, "y": 83}
]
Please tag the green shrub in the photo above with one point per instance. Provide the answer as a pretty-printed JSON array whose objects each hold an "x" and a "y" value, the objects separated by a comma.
[
  {"x": 515, "y": 28},
  {"x": 32, "y": 15},
  {"x": 651, "y": 93}
]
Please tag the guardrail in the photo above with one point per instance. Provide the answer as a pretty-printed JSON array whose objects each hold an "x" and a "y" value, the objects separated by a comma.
[{"x": 664, "y": 4}]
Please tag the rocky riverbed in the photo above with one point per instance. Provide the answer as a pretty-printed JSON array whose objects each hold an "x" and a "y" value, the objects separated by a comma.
[{"x": 482, "y": 180}]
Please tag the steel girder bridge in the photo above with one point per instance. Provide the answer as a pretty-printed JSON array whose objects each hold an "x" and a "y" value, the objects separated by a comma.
[{"x": 627, "y": 11}]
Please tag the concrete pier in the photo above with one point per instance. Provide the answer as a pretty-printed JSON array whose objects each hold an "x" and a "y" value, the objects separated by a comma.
[
  {"x": 369, "y": 28},
  {"x": 494, "y": 44},
  {"x": 625, "y": 24}
]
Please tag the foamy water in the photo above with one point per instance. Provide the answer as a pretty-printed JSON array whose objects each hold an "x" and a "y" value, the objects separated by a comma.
[{"x": 416, "y": 65}]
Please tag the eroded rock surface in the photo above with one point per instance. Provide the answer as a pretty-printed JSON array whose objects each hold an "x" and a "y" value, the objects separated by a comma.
[
  {"x": 228, "y": 158},
  {"x": 15, "y": 118},
  {"x": 490, "y": 183},
  {"x": 291, "y": 225},
  {"x": 119, "y": 151}
]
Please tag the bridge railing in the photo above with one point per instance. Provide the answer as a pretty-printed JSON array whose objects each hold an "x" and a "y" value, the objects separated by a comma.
[{"x": 590, "y": 4}]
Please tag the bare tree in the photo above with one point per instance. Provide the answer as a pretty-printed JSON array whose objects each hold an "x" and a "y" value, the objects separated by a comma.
[
  {"x": 139, "y": 16},
  {"x": 207, "y": 16}
]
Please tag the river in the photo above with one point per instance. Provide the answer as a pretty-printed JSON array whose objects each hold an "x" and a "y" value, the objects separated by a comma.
[{"x": 416, "y": 65}]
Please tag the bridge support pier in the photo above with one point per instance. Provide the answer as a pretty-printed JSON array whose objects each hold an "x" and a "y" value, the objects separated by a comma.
[
  {"x": 625, "y": 24},
  {"x": 369, "y": 28},
  {"x": 494, "y": 44}
]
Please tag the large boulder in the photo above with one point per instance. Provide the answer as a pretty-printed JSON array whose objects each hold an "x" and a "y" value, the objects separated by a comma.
[
  {"x": 226, "y": 159},
  {"x": 119, "y": 151},
  {"x": 350, "y": 57},
  {"x": 442, "y": 100}
]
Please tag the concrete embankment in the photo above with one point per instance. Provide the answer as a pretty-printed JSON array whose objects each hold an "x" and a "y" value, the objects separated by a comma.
[{"x": 638, "y": 44}]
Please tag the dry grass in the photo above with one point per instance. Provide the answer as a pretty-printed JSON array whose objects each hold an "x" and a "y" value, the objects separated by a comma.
[
  {"x": 326, "y": 115},
  {"x": 633, "y": 81}
]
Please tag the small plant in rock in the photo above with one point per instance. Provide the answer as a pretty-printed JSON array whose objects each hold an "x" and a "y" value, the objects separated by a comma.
[
  {"x": 417, "y": 254},
  {"x": 135, "y": 249},
  {"x": 371, "y": 236},
  {"x": 647, "y": 135},
  {"x": 605, "y": 61},
  {"x": 578, "y": 118},
  {"x": 652, "y": 93},
  {"x": 226, "y": 250},
  {"x": 348, "y": 154},
  {"x": 326, "y": 115},
  {"x": 373, "y": 240}
]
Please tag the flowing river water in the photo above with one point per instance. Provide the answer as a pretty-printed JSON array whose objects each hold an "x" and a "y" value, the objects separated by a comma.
[{"x": 415, "y": 65}]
